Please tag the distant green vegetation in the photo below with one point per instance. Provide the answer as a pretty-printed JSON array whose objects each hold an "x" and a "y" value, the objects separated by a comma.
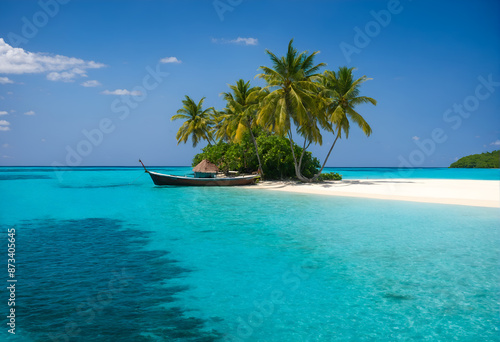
[{"x": 487, "y": 160}]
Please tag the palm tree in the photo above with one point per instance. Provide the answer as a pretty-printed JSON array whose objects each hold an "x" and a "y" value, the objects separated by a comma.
[
  {"x": 240, "y": 113},
  {"x": 292, "y": 98},
  {"x": 221, "y": 122},
  {"x": 198, "y": 124},
  {"x": 342, "y": 92}
]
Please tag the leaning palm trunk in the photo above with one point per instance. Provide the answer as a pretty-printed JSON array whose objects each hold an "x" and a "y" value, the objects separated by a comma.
[
  {"x": 304, "y": 148},
  {"x": 343, "y": 92},
  {"x": 327, "y": 156},
  {"x": 297, "y": 166},
  {"x": 256, "y": 150}
]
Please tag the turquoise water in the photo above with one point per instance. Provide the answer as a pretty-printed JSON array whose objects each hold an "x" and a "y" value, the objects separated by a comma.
[
  {"x": 435, "y": 172},
  {"x": 104, "y": 255}
]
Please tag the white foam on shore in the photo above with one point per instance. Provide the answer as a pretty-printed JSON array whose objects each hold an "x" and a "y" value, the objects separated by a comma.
[{"x": 480, "y": 193}]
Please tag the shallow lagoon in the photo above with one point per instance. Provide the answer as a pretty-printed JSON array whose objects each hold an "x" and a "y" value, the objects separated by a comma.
[{"x": 111, "y": 256}]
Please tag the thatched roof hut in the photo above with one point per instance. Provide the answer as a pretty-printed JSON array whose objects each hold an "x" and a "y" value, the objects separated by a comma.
[{"x": 205, "y": 169}]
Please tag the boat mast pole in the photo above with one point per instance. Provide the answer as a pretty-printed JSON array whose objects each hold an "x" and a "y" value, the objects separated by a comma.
[{"x": 140, "y": 161}]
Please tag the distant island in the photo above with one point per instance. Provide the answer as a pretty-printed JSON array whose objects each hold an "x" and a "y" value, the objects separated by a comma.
[{"x": 487, "y": 160}]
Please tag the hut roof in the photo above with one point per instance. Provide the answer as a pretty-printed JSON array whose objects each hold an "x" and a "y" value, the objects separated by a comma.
[{"x": 206, "y": 167}]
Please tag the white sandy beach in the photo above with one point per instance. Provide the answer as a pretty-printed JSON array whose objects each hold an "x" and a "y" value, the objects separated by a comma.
[{"x": 480, "y": 193}]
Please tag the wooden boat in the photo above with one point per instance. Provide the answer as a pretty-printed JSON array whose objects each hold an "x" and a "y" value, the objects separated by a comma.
[{"x": 163, "y": 179}]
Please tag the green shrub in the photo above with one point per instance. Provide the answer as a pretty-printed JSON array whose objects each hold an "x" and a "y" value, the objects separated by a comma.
[
  {"x": 277, "y": 159},
  {"x": 275, "y": 155},
  {"x": 330, "y": 176},
  {"x": 229, "y": 157}
]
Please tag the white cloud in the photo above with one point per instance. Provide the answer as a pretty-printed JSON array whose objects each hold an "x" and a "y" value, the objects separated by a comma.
[
  {"x": 91, "y": 83},
  {"x": 246, "y": 41},
  {"x": 4, "y": 125},
  {"x": 59, "y": 68},
  {"x": 239, "y": 40},
  {"x": 5, "y": 145},
  {"x": 415, "y": 138},
  {"x": 66, "y": 76},
  {"x": 170, "y": 60},
  {"x": 496, "y": 143},
  {"x": 122, "y": 92},
  {"x": 7, "y": 157},
  {"x": 5, "y": 80},
  {"x": 30, "y": 113},
  {"x": 3, "y": 112}
]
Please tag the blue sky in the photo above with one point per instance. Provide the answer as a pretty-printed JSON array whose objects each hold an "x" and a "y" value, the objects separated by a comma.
[{"x": 95, "y": 82}]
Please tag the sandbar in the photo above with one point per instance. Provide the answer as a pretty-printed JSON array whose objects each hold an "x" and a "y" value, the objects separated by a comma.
[{"x": 480, "y": 193}]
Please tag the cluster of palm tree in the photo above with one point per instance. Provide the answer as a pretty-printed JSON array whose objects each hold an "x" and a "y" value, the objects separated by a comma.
[{"x": 297, "y": 97}]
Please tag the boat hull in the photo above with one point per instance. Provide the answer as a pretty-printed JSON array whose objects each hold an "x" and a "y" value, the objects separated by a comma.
[{"x": 162, "y": 179}]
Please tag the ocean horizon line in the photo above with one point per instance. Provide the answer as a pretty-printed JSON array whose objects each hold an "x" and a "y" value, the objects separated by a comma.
[{"x": 330, "y": 167}]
